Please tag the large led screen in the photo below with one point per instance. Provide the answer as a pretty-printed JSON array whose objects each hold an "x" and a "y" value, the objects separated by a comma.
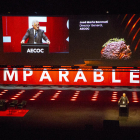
[{"x": 73, "y": 40}]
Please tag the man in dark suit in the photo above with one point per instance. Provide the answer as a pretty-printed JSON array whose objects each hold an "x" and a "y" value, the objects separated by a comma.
[{"x": 35, "y": 34}]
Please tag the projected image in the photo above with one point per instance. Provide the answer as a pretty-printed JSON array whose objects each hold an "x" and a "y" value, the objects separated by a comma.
[
  {"x": 18, "y": 30},
  {"x": 106, "y": 37},
  {"x": 116, "y": 49}
]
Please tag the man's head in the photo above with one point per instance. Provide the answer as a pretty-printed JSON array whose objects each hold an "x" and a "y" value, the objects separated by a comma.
[
  {"x": 124, "y": 94},
  {"x": 35, "y": 24}
]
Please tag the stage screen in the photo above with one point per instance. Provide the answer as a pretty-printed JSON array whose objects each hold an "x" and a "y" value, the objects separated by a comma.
[{"x": 103, "y": 39}]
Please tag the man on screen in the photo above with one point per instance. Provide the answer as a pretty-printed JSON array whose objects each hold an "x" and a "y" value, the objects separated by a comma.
[{"x": 35, "y": 34}]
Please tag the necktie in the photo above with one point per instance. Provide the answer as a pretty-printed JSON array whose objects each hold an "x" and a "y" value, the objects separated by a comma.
[{"x": 35, "y": 37}]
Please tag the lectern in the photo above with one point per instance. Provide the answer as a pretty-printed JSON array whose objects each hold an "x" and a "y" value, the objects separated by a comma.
[
  {"x": 123, "y": 110},
  {"x": 38, "y": 48}
]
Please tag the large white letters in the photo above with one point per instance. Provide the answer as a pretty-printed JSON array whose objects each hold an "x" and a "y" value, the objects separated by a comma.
[
  {"x": 80, "y": 72},
  {"x": 113, "y": 77},
  {"x": 134, "y": 76},
  {"x": 25, "y": 74},
  {"x": 45, "y": 72},
  {"x": 63, "y": 74},
  {"x": 100, "y": 75},
  {"x": 14, "y": 72}
]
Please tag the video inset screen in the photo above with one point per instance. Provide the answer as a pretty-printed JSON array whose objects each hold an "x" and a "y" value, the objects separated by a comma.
[
  {"x": 71, "y": 40},
  {"x": 17, "y": 28}
]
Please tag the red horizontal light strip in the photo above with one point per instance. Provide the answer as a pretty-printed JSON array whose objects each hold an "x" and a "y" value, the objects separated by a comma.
[
  {"x": 17, "y": 95},
  {"x": 32, "y": 99},
  {"x": 114, "y": 96},
  {"x": 55, "y": 96},
  {"x": 13, "y": 98},
  {"x": 95, "y": 96},
  {"x": 75, "y": 96},
  {"x": 36, "y": 95},
  {"x": 135, "y": 97}
]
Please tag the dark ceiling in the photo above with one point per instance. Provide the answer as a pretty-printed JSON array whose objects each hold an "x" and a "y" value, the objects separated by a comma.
[{"x": 71, "y": 7}]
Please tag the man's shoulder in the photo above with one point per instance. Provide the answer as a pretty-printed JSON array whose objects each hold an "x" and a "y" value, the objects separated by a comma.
[
  {"x": 30, "y": 29},
  {"x": 40, "y": 30}
]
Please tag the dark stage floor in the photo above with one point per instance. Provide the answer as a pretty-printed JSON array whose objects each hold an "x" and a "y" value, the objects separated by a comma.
[{"x": 72, "y": 113}]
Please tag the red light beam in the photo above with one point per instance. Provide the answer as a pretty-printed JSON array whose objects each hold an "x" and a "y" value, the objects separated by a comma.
[
  {"x": 129, "y": 22},
  {"x": 133, "y": 26},
  {"x": 137, "y": 45}
]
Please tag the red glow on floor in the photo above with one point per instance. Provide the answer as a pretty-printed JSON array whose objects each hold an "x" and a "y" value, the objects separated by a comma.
[
  {"x": 113, "y": 100},
  {"x": 35, "y": 96},
  {"x": 55, "y": 96},
  {"x": 52, "y": 99},
  {"x": 59, "y": 91},
  {"x": 41, "y": 91},
  {"x": 16, "y": 96},
  {"x": 115, "y": 92},
  {"x": 77, "y": 91},
  {"x": 73, "y": 99},
  {"x": 95, "y": 96},
  {"x": 22, "y": 90},
  {"x": 114, "y": 96},
  {"x": 15, "y": 113},
  {"x": 134, "y": 97},
  {"x": 93, "y": 99},
  {"x": 135, "y": 101},
  {"x": 13, "y": 98},
  {"x": 3, "y": 92},
  {"x": 32, "y": 99},
  {"x": 75, "y": 95}
]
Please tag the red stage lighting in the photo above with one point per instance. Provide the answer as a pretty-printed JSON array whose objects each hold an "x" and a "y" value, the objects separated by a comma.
[
  {"x": 73, "y": 99},
  {"x": 113, "y": 100},
  {"x": 52, "y": 99},
  {"x": 16, "y": 96},
  {"x": 6, "y": 90},
  {"x": 32, "y": 99},
  {"x": 93, "y": 99},
  {"x": 135, "y": 101},
  {"x": 13, "y": 98},
  {"x": 41, "y": 91}
]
